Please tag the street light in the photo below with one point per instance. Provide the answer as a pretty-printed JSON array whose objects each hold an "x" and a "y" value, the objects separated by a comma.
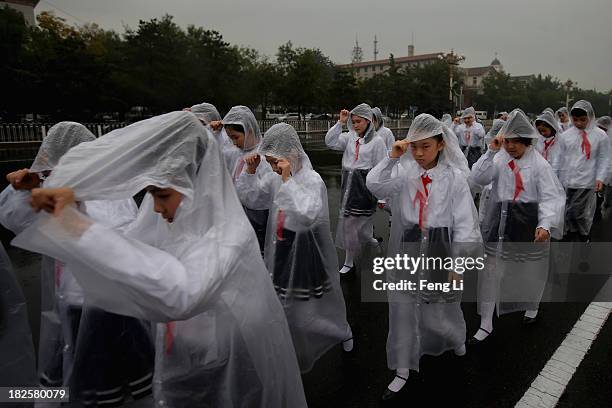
[
  {"x": 568, "y": 87},
  {"x": 453, "y": 60}
]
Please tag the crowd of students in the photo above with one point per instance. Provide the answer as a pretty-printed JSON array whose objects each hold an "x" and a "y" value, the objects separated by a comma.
[{"x": 223, "y": 285}]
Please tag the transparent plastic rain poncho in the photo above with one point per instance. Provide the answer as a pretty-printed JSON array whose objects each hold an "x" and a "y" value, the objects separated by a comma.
[
  {"x": 485, "y": 193},
  {"x": 469, "y": 112},
  {"x": 549, "y": 110},
  {"x": 471, "y": 139},
  {"x": 548, "y": 147},
  {"x": 299, "y": 252},
  {"x": 495, "y": 128},
  {"x": 579, "y": 166},
  {"x": 17, "y": 358},
  {"x": 525, "y": 195},
  {"x": 384, "y": 132},
  {"x": 447, "y": 120},
  {"x": 207, "y": 113},
  {"x": 564, "y": 125},
  {"x": 605, "y": 123},
  {"x": 357, "y": 203},
  {"x": 235, "y": 160},
  {"x": 439, "y": 220},
  {"x": 60, "y": 138},
  {"x": 223, "y": 339},
  {"x": 72, "y": 333}
]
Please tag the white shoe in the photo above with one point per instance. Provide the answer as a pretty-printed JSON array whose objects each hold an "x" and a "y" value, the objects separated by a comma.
[{"x": 346, "y": 269}]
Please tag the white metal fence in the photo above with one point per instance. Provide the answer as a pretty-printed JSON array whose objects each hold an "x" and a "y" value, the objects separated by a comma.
[{"x": 26, "y": 132}]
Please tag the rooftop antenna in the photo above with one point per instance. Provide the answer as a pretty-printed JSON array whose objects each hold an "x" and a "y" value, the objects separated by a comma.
[
  {"x": 375, "y": 48},
  {"x": 357, "y": 54}
]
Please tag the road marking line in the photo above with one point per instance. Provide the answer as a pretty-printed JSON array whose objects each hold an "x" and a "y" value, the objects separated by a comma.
[{"x": 550, "y": 384}]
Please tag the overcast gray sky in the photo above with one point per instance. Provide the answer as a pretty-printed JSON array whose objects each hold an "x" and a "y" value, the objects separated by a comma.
[{"x": 566, "y": 38}]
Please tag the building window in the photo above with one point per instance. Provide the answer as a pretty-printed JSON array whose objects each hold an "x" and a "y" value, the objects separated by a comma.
[{"x": 475, "y": 81}]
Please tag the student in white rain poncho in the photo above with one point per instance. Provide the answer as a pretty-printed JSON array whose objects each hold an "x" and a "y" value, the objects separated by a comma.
[
  {"x": 425, "y": 180},
  {"x": 447, "y": 120},
  {"x": 190, "y": 261},
  {"x": 80, "y": 346},
  {"x": 243, "y": 131},
  {"x": 605, "y": 124},
  {"x": 485, "y": 193},
  {"x": 362, "y": 151},
  {"x": 526, "y": 204},
  {"x": 17, "y": 358},
  {"x": 299, "y": 252},
  {"x": 564, "y": 118},
  {"x": 207, "y": 113},
  {"x": 549, "y": 131},
  {"x": 582, "y": 166},
  {"x": 471, "y": 136},
  {"x": 381, "y": 130}
]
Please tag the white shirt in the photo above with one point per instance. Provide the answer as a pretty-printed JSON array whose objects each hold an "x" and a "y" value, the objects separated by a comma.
[
  {"x": 572, "y": 166},
  {"x": 449, "y": 201},
  {"x": 370, "y": 154},
  {"x": 539, "y": 182},
  {"x": 472, "y": 136}
]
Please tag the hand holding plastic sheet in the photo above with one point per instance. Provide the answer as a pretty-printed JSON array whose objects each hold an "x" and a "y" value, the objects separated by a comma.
[
  {"x": 399, "y": 148},
  {"x": 216, "y": 125},
  {"x": 496, "y": 143},
  {"x": 344, "y": 115},
  {"x": 23, "y": 179},
  {"x": 52, "y": 200},
  {"x": 252, "y": 162}
]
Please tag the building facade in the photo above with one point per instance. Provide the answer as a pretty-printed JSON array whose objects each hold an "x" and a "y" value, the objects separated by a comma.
[
  {"x": 367, "y": 69},
  {"x": 26, "y": 7}
]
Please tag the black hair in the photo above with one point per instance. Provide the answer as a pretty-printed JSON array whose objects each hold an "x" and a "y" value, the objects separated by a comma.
[
  {"x": 525, "y": 141},
  {"x": 498, "y": 116},
  {"x": 439, "y": 138},
  {"x": 578, "y": 112},
  {"x": 553, "y": 132},
  {"x": 235, "y": 128}
]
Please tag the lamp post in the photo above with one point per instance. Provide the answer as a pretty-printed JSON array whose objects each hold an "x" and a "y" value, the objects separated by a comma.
[
  {"x": 568, "y": 87},
  {"x": 453, "y": 60}
]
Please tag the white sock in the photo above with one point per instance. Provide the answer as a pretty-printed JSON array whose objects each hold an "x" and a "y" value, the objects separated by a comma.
[
  {"x": 398, "y": 383},
  {"x": 486, "y": 321},
  {"x": 460, "y": 351},
  {"x": 348, "y": 263},
  {"x": 347, "y": 345},
  {"x": 531, "y": 313}
]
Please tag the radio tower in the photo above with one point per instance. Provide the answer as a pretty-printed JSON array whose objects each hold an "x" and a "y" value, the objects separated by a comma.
[
  {"x": 375, "y": 48},
  {"x": 357, "y": 54}
]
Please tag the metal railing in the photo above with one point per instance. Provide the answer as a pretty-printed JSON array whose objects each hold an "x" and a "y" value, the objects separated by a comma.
[{"x": 27, "y": 132}]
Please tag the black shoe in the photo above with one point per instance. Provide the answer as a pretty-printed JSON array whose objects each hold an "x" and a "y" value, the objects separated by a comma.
[
  {"x": 474, "y": 341},
  {"x": 529, "y": 320},
  {"x": 388, "y": 394}
]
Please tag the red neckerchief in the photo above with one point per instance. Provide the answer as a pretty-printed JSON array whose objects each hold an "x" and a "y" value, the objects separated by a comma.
[
  {"x": 280, "y": 224},
  {"x": 586, "y": 145},
  {"x": 548, "y": 143},
  {"x": 422, "y": 198},
  {"x": 518, "y": 180}
]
